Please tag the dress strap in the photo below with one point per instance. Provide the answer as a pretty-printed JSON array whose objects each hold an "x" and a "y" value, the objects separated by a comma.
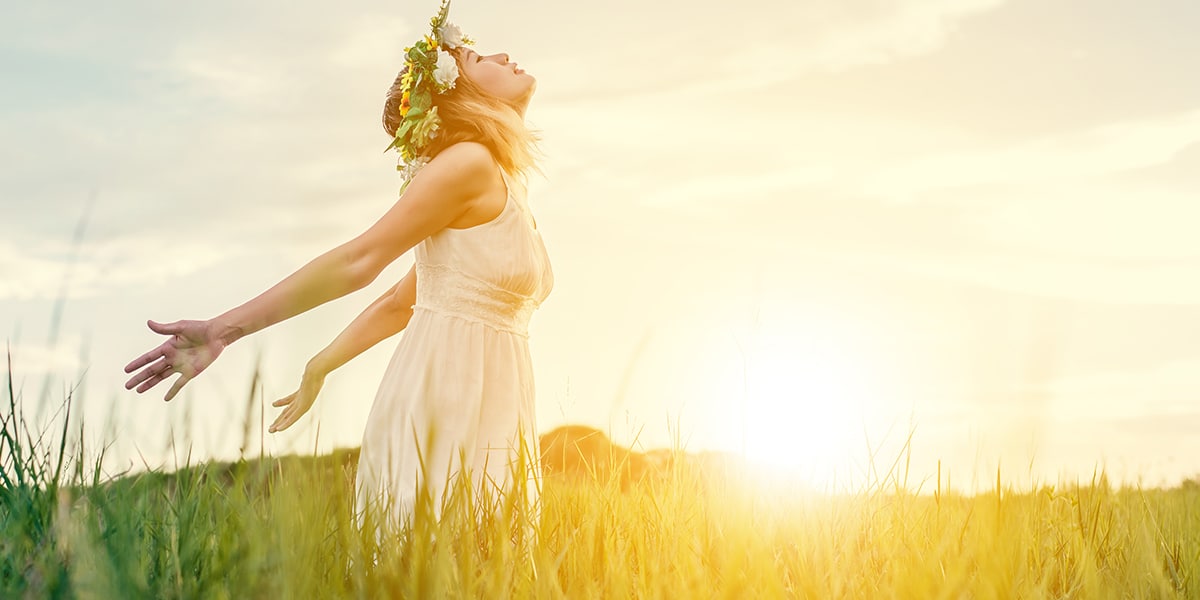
[{"x": 520, "y": 198}]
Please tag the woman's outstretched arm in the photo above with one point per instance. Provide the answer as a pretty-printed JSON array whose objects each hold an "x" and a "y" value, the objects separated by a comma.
[
  {"x": 327, "y": 277},
  {"x": 442, "y": 191}
]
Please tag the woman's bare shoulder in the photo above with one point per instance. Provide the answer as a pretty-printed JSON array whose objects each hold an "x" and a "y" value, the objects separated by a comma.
[
  {"x": 475, "y": 157},
  {"x": 458, "y": 174},
  {"x": 450, "y": 185}
]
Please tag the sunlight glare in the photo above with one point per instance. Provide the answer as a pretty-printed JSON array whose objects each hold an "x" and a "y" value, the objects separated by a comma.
[{"x": 805, "y": 399}]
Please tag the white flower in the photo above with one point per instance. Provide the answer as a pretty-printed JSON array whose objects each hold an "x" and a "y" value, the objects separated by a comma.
[
  {"x": 451, "y": 35},
  {"x": 409, "y": 170},
  {"x": 446, "y": 72},
  {"x": 426, "y": 129}
]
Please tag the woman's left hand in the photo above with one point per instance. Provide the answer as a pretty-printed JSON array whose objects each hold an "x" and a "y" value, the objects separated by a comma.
[{"x": 299, "y": 401}]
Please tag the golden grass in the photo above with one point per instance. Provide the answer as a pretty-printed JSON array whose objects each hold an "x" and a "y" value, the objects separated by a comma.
[{"x": 283, "y": 527}]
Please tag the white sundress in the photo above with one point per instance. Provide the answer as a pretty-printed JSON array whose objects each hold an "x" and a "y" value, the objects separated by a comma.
[{"x": 461, "y": 375}]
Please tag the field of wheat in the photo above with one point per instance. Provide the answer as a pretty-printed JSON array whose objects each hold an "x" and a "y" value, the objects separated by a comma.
[{"x": 282, "y": 527}]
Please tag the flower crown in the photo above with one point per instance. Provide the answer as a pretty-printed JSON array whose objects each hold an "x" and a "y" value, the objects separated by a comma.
[{"x": 428, "y": 69}]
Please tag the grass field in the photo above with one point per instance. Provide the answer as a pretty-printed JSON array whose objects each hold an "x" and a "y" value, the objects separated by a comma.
[{"x": 282, "y": 527}]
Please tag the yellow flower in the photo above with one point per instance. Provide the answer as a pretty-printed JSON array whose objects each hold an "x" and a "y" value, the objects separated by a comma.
[
  {"x": 404, "y": 103},
  {"x": 407, "y": 78}
]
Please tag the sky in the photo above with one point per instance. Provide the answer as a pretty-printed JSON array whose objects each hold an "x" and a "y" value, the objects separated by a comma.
[{"x": 801, "y": 231}]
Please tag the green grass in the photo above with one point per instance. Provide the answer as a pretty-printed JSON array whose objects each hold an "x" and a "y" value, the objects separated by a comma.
[{"x": 282, "y": 527}]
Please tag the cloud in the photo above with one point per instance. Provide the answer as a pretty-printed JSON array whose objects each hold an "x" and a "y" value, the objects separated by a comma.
[
  {"x": 1067, "y": 157},
  {"x": 36, "y": 271},
  {"x": 1163, "y": 390},
  {"x": 1182, "y": 171},
  {"x": 190, "y": 116},
  {"x": 207, "y": 120},
  {"x": 27, "y": 276},
  {"x": 1052, "y": 216},
  {"x": 302, "y": 67},
  {"x": 35, "y": 359},
  {"x": 846, "y": 35},
  {"x": 1124, "y": 225},
  {"x": 1173, "y": 283},
  {"x": 739, "y": 45}
]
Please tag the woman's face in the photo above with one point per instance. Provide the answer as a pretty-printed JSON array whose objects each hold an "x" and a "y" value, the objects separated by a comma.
[{"x": 497, "y": 76}]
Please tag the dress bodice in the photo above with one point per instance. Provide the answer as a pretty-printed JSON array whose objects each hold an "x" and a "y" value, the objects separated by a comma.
[{"x": 494, "y": 273}]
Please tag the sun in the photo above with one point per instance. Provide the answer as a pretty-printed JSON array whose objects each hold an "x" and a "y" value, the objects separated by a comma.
[{"x": 805, "y": 398}]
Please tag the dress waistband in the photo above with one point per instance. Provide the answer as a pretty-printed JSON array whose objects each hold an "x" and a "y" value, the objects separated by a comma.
[{"x": 446, "y": 290}]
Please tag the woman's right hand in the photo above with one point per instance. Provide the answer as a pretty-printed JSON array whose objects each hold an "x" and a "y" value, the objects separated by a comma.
[{"x": 193, "y": 346}]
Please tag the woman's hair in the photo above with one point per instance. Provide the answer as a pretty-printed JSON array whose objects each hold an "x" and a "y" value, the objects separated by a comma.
[{"x": 470, "y": 114}]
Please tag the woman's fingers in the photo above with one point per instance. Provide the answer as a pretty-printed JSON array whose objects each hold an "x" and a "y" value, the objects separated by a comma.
[
  {"x": 143, "y": 360},
  {"x": 175, "y": 388},
  {"x": 147, "y": 358},
  {"x": 297, "y": 403},
  {"x": 153, "y": 381},
  {"x": 279, "y": 419},
  {"x": 160, "y": 370},
  {"x": 167, "y": 328},
  {"x": 151, "y": 355},
  {"x": 281, "y": 422},
  {"x": 289, "y": 414},
  {"x": 188, "y": 351}
]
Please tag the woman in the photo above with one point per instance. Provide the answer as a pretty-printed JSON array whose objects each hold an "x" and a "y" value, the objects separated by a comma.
[{"x": 457, "y": 395}]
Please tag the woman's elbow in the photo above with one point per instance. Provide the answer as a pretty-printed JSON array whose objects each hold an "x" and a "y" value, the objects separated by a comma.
[
  {"x": 361, "y": 264},
  {"x": 370, "y": 253}
]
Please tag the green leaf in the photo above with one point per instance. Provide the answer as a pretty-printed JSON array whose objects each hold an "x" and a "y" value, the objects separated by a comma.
[
  {"x": 421, "y": 99},
  {"x": 406, "y": 126}
]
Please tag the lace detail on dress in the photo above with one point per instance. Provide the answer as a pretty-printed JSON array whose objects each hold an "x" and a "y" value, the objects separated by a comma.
[{"x": 446, "y": 290}]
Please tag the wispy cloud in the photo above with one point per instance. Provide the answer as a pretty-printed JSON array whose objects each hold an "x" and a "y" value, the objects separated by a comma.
[
  {"x": 737, "y": 45},
  {"x": 1060, "y": 277},
  {"x": 1072, "y": 156},
  {"x": 36, "y": 271},
  {"x": 1163, "y": 390},
  {"x": 37, "y": 359}
]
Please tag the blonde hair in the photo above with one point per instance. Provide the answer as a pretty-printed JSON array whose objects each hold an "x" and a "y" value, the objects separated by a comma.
[{"x": 470, "y": 114}]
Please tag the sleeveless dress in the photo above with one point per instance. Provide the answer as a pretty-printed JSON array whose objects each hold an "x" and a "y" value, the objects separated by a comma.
[{"x": 460, "y": 382}]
